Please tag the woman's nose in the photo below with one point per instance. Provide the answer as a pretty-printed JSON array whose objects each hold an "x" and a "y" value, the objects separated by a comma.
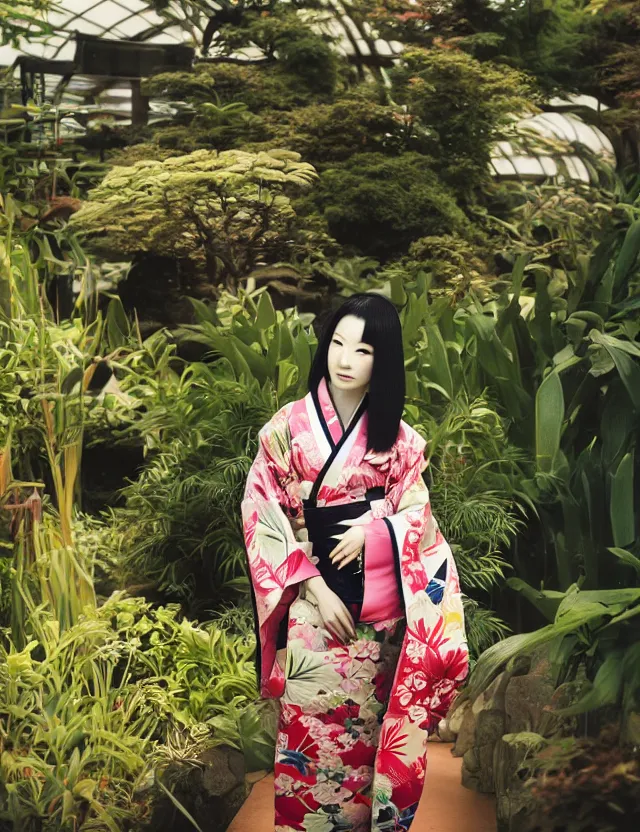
[{"x": 344, "y": 358}]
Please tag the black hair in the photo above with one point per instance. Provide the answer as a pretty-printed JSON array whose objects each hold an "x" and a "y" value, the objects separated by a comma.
[{"x": 383, "y": 331}]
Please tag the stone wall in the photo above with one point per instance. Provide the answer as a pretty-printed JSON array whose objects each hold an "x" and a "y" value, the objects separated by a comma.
[{"x": 495, "y": 732}]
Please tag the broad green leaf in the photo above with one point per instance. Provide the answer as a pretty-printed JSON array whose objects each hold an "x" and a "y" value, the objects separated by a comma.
[
  {"x": 273, "y": 351},
  {"x": 398, "y": 294},
  {"x": 204, "y": 311},
  {"x": 287, "y": 376},
  {"x": 578, "y": 609},
  {"x": 266, "y": 316},
  {"x": 545, "y": 601},
  {"x": 606, "y": 689},
  {"x": 629, "y": 371},
  {"x": 628, "y": 255},
  {"x": 302, "y": 355},
  {"x": 85, "y": 788},
  {"x": 549, "y": 417},
  {"x": 626, "y": 557},
  {"x": 117, "y": 324},
  {"x": 438, "y": 358},
  {"x": 68, "y": 806},
  {"x": 256, "y": 364},
  {"x": 617, "y": 425},
  {"x": 622, "y": 505},
  {"x": 286, "y": 341}
]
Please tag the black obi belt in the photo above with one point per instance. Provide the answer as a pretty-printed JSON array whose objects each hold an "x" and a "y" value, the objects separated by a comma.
[{"x": 321, "y": 523}]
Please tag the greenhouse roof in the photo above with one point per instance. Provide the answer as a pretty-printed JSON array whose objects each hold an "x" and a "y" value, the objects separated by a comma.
[
  {"x": 134, "y": 20},
  {"x": 79, "y": 78},
  {"x": 115, "y": 19}
]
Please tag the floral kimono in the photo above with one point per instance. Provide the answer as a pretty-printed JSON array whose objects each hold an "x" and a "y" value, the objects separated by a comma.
[{"x": 354, "y": 719}]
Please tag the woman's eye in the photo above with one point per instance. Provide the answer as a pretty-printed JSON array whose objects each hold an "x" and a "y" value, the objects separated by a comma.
[{"x": 365, "y": 352}]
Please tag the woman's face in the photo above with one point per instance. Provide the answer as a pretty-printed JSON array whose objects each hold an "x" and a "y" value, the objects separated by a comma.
[{"x": 350, "y": 361}]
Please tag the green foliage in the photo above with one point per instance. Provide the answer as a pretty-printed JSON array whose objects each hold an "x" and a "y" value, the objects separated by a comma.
[
  {"x": 194, "y": 87},
  {"x": 559, "y": 365},
  {"x": 220, "y": 126},
  {"x": 456, "y": 265},
  {"x": 464, "y": 103},
  {"x": 473, "y": 476},
  {"x": 582, "y": 784},
  {"x": 307, "y": 56},
  {"x": 26, "y": 18},
  {"x": 284, "y": 36},
  {"x": 88, "y": 715},
  {"x": 592, "y": 631},
  {"x": 5, "y": 588},
  {"x": 556, "y": 223},
  {"x": 563, "y": 367},
  {"x": 560, "y": 43},
  {"x": 170, "y": 539},
  {"x": 260, "y": 88},
  {"x": 355, "y": 123},
  {"x": 225, "y": 211},
  {"x": 521, "y": 371},
  {"x": 483, "y": 628},
  {"x": 205, "y": 430},
  {"x": 378, "y": 205}
]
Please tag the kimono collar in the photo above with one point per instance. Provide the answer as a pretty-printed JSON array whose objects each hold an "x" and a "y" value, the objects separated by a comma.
[{"x": 328, "y": 414}]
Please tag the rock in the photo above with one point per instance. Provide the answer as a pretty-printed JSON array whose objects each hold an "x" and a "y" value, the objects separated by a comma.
[
  {"x": 445, "y": 734},
  {"x": 224, "y": 770},
  {"x": 254, "y": 776},
  {"x": 214, "y": 789},
  {"x": 525, "y": 700},
  {"x": 456, "y": 714},
  {"x": 493, "y": 697},
  {"x": 490, "y": 701},
  {"x": 484, "y": 777},
  {"x": 470, "y": 770},
  {"x": 467, "y": 733},
  {"x": 563, "y": 696},
  {"x": 515, "y": 806},
  {"x": 489, "y": 727}
]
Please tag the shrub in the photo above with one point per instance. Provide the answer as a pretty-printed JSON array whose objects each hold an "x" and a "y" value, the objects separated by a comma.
[
  {"x": 334, "y": 132},
  {"x": 464, "y": 102},
  {"x": 226, "y": 211},
  {"x": 378, "y": 205},
  {"x": 587, "y": 785},
  {"x": 90, "y": 715}
]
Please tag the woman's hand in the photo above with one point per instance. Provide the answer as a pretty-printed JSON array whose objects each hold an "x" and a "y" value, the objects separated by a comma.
[
  {"x": 335, "y": 615},
  {"x": 297, "y": 523},
  {"x": 350, "y": 546}
]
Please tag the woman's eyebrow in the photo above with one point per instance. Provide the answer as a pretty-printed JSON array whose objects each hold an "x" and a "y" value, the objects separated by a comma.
[{"x": 336, "y": 333}]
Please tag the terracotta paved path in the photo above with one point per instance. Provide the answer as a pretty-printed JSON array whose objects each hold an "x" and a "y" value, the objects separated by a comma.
[{"x": 445, "y": 806}]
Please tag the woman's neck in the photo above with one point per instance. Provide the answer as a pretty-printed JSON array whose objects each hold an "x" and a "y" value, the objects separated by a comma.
[{"x": 345, "y": 402}]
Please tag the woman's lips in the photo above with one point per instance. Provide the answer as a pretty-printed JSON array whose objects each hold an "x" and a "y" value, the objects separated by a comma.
[{"x": 347, "y": 378}]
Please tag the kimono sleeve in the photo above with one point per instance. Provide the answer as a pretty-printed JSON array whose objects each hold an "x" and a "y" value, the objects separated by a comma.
[
  {"x": 436, "y": 655},
  {"x": 277, "y": 562}
]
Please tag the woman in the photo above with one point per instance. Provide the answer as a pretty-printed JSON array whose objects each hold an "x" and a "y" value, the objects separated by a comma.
[{"x": 359, "y": 612}]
